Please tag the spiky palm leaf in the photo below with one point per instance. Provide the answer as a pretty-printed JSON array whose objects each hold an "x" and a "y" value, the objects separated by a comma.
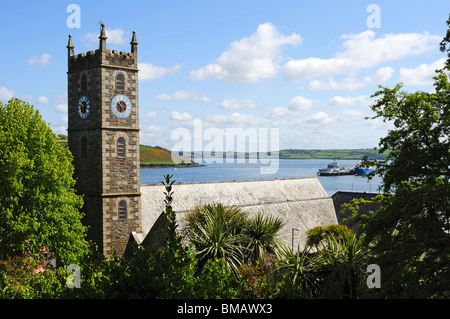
[
  {"x": 299, "y": 267},
  {"x": 343, "y": 259},
  {"x": 216, "y": 233},
  {"x": 261, "y": 236},
  {"x": 214, "y": 240}
]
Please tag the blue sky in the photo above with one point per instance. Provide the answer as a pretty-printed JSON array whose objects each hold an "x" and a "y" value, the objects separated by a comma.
[{"x": 307, "y": 68}]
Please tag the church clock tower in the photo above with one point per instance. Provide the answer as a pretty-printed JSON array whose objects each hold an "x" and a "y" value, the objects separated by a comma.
[{"x": 103, "y": 136}]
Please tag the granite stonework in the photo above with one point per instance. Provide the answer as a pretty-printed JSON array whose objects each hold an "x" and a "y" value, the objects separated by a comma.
[{"x": 104, "y": 178}]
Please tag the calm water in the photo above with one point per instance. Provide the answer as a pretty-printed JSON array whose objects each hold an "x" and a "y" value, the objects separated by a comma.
[{"x": 287, "y": 168}]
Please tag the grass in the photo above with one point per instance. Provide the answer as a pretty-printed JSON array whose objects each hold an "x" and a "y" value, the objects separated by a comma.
[{"x": 332, "y": 154}]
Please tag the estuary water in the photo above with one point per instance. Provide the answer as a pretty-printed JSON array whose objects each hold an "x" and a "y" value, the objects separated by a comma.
[{"x": 282, "y": 168}]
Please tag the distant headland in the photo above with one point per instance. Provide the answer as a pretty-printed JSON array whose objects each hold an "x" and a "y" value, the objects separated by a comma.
[{"x": 157, "y": 156}]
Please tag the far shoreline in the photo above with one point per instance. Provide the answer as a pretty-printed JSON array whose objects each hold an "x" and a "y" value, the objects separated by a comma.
[
  {"x": 174, "y": 165},
  {"x": 184, "y": 165}
]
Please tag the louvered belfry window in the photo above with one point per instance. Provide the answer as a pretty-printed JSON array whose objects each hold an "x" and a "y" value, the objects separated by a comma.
[
  {"x": 121, "y": 147},
  {"x": 122, "y": 210},
  {"x": 120, "y": 82},
  {"x": 83, "y": 83}
]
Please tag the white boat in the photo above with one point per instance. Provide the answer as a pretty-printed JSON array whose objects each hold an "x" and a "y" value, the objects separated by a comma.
[{"x": 334, "y": 169}]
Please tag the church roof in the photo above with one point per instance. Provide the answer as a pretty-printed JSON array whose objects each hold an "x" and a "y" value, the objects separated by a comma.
[
  {"x": 341, "y": 198},
  {"x": 301, "y": 202}
]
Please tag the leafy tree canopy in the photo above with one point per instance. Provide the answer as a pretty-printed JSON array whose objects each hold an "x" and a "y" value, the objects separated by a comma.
[
  {"x": 411, "y": 231},
  {"x": 39, "y": 209}
]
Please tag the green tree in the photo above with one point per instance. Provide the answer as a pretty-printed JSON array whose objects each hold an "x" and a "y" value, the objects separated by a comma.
[
  {"x": 411, "y": 231},
  {"x": 320, "y": 236},
  {"x": 174, "y": 263},
  {"x": 445, "y": 44},
  {"x": 39, "y": 209}
]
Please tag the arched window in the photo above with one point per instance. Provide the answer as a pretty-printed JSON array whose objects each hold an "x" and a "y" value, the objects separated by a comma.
[
  {"x": 84, "y": 147},
  {"x": 123, "y": 210},
  {"x": 120, "y": 82},
  {"x": 121, "y": 147},
  {"x": 83, "y": 83}
]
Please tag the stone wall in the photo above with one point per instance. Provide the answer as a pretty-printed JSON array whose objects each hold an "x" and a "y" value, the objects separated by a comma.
[
  {"x": 120, "y": 175},
  {"x": 102, "y": 176},
  {"x": 116, "y": 231}
]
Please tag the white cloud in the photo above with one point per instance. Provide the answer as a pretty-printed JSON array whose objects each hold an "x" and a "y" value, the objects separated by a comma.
[
  {"x": 350, "y": 83},
  {"x": 282, "y": 124},
  {"x": 61, "y": 103},
  {"x": 177, "y": 116},
  {"x": 43, "y": 100},
  {"x": 251, "y": 58},
  {"x": 279, "y": 112},
  {"x": 351, "y": 114},
  {"x": 377, "y": 124},
  {"x": 295, "y": 106},
  {"x": 61, "y": 107},
  {"x": 148, "y": 117},
  {"x": 233, "y": 104},
  {"x": 380, "y": 76},
  {"x": 422, "y": 75},
  {"x": 115, "y": 36},
  {"x": 151, "y": 129},
  {"x": 362, "y": 51},
  {"x": 5, "y": 94},
  {"x": 348, "y": 101},
  {"x": 320, "y": 118},
  {"x": 183, "y": 95},
  {"x": 346, "y": 84},
  {"x": 317, "y": 119},
  {"x": 44, "y": 59},
  {"x": 149, "y": 72},
  {"x": 235, "y": 119},
  {"x": 300, "y": 103},
  {"x": 164, "y": 97}
]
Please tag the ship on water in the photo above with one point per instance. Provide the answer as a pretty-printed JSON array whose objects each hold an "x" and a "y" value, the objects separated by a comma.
[
  {"x": 334, "y": 169},
  {"x": 364, "y": 170}
]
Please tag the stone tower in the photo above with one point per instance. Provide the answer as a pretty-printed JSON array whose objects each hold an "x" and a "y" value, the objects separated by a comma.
[{"x": 103, "y": 136}]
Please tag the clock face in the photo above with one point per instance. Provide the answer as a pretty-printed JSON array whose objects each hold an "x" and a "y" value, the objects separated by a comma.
[
  {"x": 84, "y": 106},
  {"x": 121, "y": 106}
]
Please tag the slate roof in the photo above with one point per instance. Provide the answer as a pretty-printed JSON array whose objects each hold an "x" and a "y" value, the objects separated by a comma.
[{"x": 300, "y": 202}]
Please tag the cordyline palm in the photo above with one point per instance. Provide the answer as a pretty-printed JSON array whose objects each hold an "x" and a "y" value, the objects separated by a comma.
[
  {"x": 222, "y": 232},
  {"x": 342, "y": 259},
  {"x": 261, "y": 236},
  {"x": 216, "y": 233},
  {"x": 299, "y": 268}
]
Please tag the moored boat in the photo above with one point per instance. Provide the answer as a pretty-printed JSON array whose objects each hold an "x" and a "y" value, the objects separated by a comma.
[
  {"x": 364, "y": 170},
  {"x": 334, "y": 169}
]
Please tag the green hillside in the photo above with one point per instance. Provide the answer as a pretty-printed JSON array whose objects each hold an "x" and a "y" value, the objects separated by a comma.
[
  {"x": 159, "y": 156},
  {"x": 332, "y": 154}
]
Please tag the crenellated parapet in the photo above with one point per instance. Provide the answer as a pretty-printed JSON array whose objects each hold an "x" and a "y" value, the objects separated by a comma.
[{"x": 102, "y": 56}]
